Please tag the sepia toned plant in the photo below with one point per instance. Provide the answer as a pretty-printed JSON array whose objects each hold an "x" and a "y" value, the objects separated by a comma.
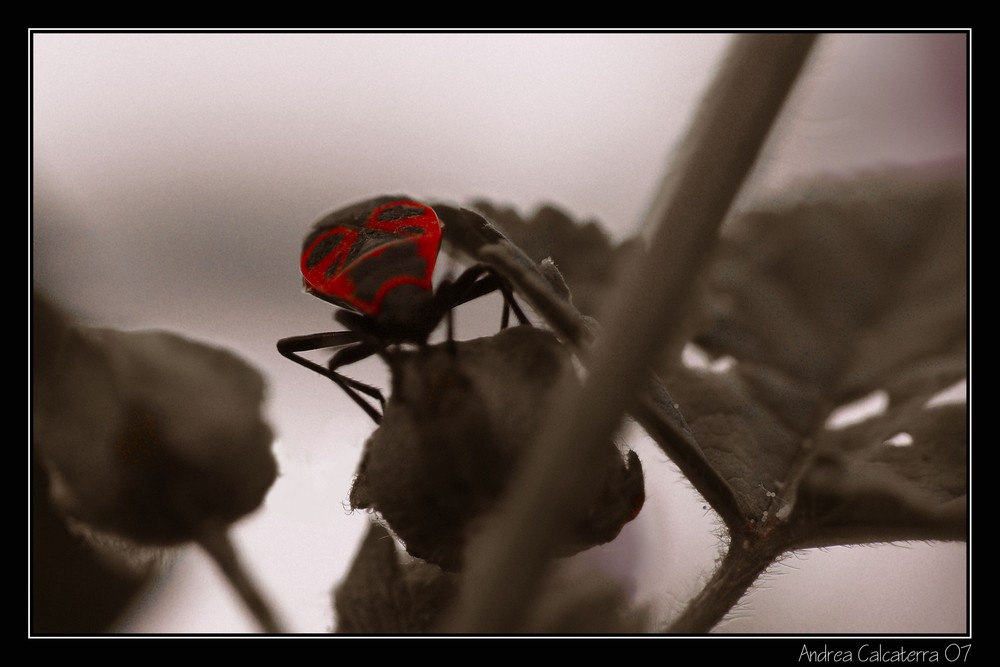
[{"x": 796, "y": 359}]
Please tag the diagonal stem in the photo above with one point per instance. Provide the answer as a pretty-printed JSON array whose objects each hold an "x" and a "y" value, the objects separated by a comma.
[
  {"x": 511, "y": 556},
  {"x": 214, "y": 539},
  {"x": 740, "y": 567}
]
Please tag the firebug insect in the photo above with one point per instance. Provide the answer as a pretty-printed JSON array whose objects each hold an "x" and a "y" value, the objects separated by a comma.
[{"x": 375, "y": 260}]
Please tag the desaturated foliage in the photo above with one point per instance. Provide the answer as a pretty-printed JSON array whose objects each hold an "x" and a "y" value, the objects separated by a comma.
[
  {"x": 838, "y": 291},
  {"x": 856, "y": 287},
  {"x": 587, "y": 259},
  {"x": 387, "y": 593},
  {"x": 843, "y": 291},
  {"x": 461, "y": 419},
  {"x": 833, "y": 292},
  {"x": 148, "y": 434},
  {"x": 146, "y": 438}
]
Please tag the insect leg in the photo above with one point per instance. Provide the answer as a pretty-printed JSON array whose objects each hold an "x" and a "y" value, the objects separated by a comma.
[
  {"x": 346, "y": 340},
  {"x": 480, "y": 280},
  {"x": 353, "y": 353},
  {"x": 509, "y": 304}
]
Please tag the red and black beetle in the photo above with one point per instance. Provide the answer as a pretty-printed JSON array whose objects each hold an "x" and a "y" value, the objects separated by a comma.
[{"x": 374, "y": 260}]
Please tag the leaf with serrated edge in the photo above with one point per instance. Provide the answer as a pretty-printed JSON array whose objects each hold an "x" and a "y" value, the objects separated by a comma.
[{"x": 859, "y": 287}]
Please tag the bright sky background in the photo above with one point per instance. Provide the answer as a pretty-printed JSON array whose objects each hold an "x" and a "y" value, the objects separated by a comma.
[{"x": 175, "y": 175}]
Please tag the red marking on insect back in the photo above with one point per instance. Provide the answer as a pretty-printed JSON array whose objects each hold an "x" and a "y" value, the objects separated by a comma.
[{"x": 355, "y": 257}]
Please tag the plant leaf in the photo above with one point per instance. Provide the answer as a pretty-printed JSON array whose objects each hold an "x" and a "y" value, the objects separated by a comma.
[
  {"x": 381, "y": 595},
  {"x": 858, "y": 287},
  {"x": 385, "y": 592},
  {"x": 587, "y": 259},
  {"x": 75, "y": 589},
  {"x": 461, "y": 418},
  {"x": 149, "y": 435},
  {"x": 543, "y": 285}
]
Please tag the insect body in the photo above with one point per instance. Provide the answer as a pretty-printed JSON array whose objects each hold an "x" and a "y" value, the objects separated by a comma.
[
  {"x": 357, "y": 256},
  {"x": 463, "y": 415},
  {"x": 374, "y": 260}
]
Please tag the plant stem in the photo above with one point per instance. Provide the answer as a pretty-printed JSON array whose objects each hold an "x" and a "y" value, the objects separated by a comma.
[
  {"x": 214, "y": 539},
  {"x": 734, "y": 576},
  {"x": 507, "y": 560}
]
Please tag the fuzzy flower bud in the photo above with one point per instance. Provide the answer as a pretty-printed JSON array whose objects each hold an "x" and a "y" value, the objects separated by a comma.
[{"x": 150, "y": 435}]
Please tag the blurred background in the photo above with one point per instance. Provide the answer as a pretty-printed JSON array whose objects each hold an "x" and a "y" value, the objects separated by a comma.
[{"x": 174, "y": 176}]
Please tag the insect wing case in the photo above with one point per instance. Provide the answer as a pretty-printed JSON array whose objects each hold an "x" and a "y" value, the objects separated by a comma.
[{"x": 356, "y": 255}]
